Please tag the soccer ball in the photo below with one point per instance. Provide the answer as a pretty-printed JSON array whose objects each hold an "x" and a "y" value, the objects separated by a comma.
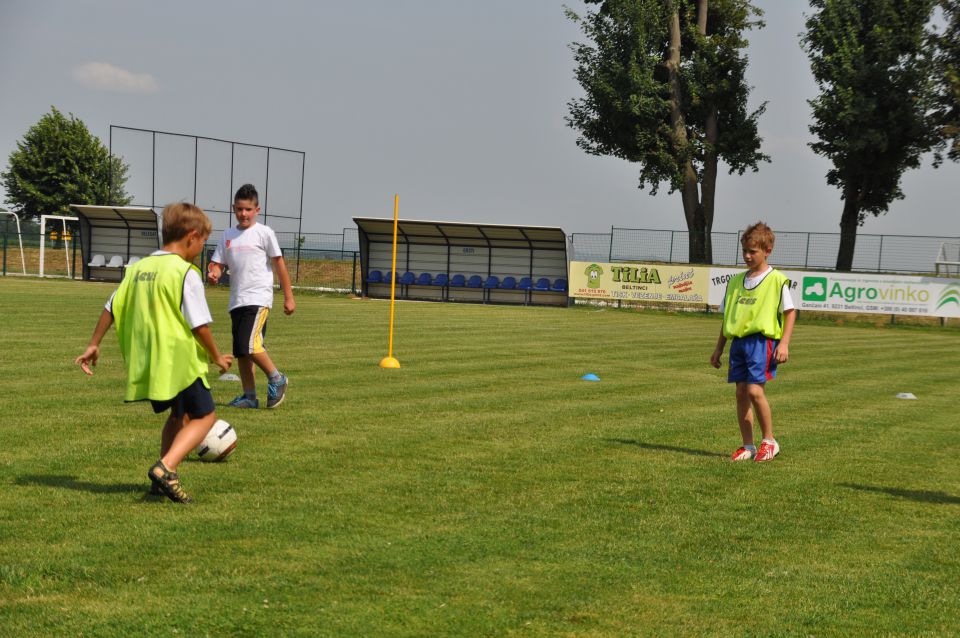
[{"x": 219, "y": 442}]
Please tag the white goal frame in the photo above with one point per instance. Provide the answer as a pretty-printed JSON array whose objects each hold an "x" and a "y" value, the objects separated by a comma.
[
  {"x": 948, "y": 258},
  {"x": 23, "y": 263},
  {"x": 66, "y": 243}
]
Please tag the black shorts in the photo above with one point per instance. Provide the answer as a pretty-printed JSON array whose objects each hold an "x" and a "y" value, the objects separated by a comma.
[
  {"x": 249, "y": 326},
  {"x": 194, "y": 400}
]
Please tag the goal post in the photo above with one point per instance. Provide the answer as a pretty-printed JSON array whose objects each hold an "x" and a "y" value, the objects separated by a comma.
[
  {"x": 23, "y": 263},
  {"x": 948, "y": 258},
  {"x": 66, "y": 242}
]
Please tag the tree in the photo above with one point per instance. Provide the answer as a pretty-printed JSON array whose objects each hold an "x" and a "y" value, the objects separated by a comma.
[
  {"x": 946, "y": 48},
  {"x": 58, "y": 163},
  {"x": 665, "y": 88},
  {"x": 873, "y": 114}
]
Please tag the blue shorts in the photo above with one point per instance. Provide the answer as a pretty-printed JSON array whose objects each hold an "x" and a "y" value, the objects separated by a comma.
[
  {"x": 194, "y": 400},
  {"x": 751, "y": 359}
]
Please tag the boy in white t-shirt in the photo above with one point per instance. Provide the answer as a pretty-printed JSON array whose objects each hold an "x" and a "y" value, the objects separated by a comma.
[{"x": 248, "y": 250}]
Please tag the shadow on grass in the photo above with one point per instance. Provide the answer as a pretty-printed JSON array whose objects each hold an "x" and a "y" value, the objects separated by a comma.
[
  {"x": 666, "y": 448},
  {"x": 923, "y": 496},
  {"x": 71, "y": 483}
]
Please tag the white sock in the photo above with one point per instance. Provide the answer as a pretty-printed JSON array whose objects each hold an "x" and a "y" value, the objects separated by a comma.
[{"x": 751, "y": 447}]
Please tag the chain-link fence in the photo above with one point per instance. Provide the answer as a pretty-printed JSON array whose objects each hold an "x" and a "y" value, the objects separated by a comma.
[
  {"x": 330, "y": 261},
  {"x": 874, "y": 253}
]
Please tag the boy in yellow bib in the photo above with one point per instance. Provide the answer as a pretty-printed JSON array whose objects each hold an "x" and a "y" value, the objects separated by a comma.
[
  {"x": 162, "y": 321},
  {"x": 758, "y": 315}
]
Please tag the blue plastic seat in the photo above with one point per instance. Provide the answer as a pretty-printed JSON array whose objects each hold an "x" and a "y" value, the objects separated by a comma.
[
  {"x": 542, "y": 284},
  {"x": 508, "y": 283},
  {"x": 560, "y": 285},
  {"x": 424, "y": 279},
  {"x": 475, "y": 281},
  {"x": 374, "y": 277},
  {"x": 441, "y": 279},
  {"x": 525, "y": 283},
  {"x": 407, "y": 278},
  {"x": 492, "y": 282},
  {"x": 458, "y": 280}
]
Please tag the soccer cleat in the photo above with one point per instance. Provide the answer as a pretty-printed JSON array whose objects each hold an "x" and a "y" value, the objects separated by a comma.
[
  {"x": 276, "y": 391},
  {"x": 743, "y": 454},
  {"x": 243, "y": 402},
  {"x": 767, "y": 451},
  {"x": 169, "y": 483}
]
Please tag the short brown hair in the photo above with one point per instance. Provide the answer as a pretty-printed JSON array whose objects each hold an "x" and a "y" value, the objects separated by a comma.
[
  {"x": 249, "y": 192},
  {"x": 180, "y": 218},
  {"x": 760, "y": 234}
]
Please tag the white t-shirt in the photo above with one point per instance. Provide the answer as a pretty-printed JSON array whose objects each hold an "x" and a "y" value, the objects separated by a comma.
[
  {"x": 248, "y": 254},
  {"x": 194, "y": 304},
  {"x": 786, "y": 299}
]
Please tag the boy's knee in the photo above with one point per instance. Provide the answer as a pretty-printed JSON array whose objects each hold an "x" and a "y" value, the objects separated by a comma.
[{"x": 750, "y": 391}]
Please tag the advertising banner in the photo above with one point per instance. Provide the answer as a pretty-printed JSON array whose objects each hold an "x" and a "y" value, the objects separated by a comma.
[
  {"x": 639, "y": 282},
  {"x": 860, "y": 292}
]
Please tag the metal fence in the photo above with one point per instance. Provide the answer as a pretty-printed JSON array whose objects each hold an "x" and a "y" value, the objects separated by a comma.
[
  {"x": 321, "y": 261},
  {"x": 874, "y": 253},
  {"x": 331, "y": 260}
]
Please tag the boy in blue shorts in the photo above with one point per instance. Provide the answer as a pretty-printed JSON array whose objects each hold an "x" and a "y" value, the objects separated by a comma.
[
  {"x": 162, "y": 322},
  {"x": 758, "y": 315},
  {"x": 251, "y": 252}
]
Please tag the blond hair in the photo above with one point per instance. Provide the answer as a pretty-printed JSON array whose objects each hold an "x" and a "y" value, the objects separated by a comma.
[
  {"x": 759, "y": 234},
  {"x": 180, "y": 218}
]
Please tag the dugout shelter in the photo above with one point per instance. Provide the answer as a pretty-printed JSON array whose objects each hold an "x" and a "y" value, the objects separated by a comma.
[
  {"x": 114, "y": 237},
  {"x": 467, "y": 262}
]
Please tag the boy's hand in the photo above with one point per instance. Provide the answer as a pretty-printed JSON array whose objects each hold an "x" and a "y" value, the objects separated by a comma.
[
  {"x": 289, "y": 305},
  {"x": 782, "y": 353},
  {"x": 224, "y": 362},
  {"x": 213, "y": 273},
  {"x": 88, "y": 359},
  {"x": 715, "y": 358}
]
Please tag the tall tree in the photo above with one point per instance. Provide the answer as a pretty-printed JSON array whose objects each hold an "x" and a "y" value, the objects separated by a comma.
[
  {"x": 873, "y": 114},
  {"x": 664, "y": 87},
  {"x": 58, "y": 163},
  {"x": 946, "y": 48}
]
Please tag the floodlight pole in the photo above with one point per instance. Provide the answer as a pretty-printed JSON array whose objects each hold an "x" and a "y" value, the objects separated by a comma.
[{"x": 389, "y": 361}]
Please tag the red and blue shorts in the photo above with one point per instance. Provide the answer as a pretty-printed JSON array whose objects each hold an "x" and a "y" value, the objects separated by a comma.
[{"x": 751, "y": 359}]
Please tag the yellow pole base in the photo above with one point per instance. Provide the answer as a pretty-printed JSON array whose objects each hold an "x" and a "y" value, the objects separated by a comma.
[{"x": 389, "y": 362}]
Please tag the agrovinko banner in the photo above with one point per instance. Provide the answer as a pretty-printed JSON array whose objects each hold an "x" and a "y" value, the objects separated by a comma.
[{"x": 821, "y": 291}]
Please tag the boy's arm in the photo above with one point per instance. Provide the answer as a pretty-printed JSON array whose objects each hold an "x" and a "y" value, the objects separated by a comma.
[
  {"x": 280, "y": 266},
  {"x": 88, "y": 359},
  {"x": 782, "y": 353},
  {"x": 205, "y": 337},
  {"x": 718, "y": 351}
]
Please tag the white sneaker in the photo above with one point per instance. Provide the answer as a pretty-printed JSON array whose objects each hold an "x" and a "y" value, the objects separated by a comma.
[
  {"x": 743, "y": 454},
  {"x": 768, "y": 450}
]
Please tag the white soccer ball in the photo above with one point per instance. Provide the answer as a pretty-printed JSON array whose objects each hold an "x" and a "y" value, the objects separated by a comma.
[{"x": 219, "y": 442}]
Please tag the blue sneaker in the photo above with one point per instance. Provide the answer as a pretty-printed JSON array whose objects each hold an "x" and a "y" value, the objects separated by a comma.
[
  {"x": 243, "y": 402},
  {"x": 276, "y": 391}
]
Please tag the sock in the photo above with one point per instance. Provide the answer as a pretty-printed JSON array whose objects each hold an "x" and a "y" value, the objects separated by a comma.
[
  {"x": 250, "y": 394},
  {"x": 771, "y": 441},
  {"x": 275, "y": 376},
  {"x": 751, "y": 447}
]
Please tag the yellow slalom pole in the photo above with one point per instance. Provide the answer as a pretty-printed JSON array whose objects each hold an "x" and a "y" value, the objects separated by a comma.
[{"x": 389, "y": 361}]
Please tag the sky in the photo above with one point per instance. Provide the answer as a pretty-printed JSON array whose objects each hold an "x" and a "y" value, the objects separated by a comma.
[{"x": 456, "y": 106}]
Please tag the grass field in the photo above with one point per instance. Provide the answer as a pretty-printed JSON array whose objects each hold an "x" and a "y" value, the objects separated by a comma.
[{"x": 484, "y": 489}]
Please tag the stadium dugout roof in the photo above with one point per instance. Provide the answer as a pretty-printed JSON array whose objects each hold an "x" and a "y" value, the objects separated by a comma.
[
  {"x": 463, "y": 234},
  {"x": 115, "y": 234},
  {"x": 460, "y": 261}
]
